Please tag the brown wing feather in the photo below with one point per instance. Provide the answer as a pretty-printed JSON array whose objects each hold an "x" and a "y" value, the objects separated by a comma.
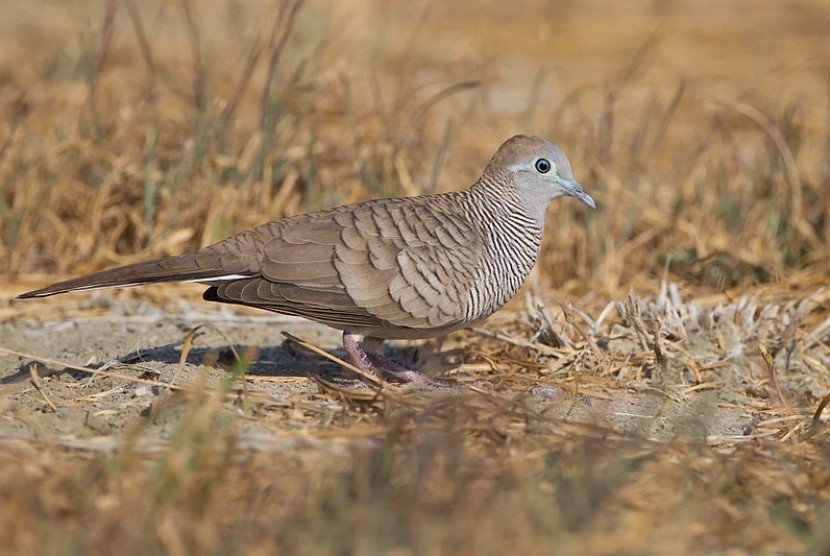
[
  {"x": 375, "y": 266},
  {"x": 408, "y": 263}
]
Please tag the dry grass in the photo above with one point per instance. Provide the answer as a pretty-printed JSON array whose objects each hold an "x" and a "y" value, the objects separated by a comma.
[
  {"x": 429, "y": 488},
  {"x": 574, "y": 448},
  {"x": 136, "y": 129},
  {"x": 149, "y": 132}
]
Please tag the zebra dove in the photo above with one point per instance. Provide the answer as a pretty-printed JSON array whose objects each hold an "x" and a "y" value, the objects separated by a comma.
[{"x": 412, "y": 267}]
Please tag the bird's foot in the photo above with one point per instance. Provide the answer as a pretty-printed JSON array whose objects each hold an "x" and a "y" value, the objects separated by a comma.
[{"x": 376, "y": 365}]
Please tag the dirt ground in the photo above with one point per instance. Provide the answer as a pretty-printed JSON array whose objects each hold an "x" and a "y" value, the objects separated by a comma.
[{"x": 136, "y": 346}]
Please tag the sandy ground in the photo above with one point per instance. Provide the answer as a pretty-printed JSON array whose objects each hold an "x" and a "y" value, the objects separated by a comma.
[{"x": 137, "y": 346}]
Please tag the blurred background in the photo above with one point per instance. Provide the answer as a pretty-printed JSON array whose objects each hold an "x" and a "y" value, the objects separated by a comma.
[
  {"x": 137, "y": 129},
  {"x": 684, "y": 422}
]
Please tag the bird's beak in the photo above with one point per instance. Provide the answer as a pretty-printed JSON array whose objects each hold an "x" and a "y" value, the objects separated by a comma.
[{"x": 572, "y": 188}]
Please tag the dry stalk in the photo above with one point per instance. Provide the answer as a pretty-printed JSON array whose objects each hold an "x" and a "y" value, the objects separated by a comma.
[
  {"x": 568, "y": 311},
  {"x": 97, "y": 372},
  {"x": 769, "y": 360},
  {"x": 38, "y": 383},
  {"x": 374, "y": 381}
]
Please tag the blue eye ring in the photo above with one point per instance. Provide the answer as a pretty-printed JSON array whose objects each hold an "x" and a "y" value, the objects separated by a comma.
[{"x": 542, "y": 165}]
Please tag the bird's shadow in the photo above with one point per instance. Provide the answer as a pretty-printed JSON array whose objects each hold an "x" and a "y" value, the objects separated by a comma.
[{"x": 284, "y": 360}]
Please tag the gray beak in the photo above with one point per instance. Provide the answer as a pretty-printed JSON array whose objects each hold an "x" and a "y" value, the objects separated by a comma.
[{"x": 570, "y": 187}]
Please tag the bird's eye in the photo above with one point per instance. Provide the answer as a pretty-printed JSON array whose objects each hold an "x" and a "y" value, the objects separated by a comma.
[{"x": 542, "y": 166}]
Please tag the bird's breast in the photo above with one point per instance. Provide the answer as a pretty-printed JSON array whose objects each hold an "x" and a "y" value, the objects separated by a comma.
[{"x": 512, "y": 248}]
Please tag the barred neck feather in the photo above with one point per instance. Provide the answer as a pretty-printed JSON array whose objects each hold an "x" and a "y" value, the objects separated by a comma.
[{"x": 512, "y": 240}]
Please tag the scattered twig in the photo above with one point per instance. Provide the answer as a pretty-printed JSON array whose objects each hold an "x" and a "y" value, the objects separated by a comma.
[
  {"x": 39, "y": 386},
  {"x": 520, "y": 342},
  {"x": 568, "y": 310},
  {"x": 187, "y": 344},
  {"x": 85, "y": 369},
  {"x": 820, "y": 409},
  {"x": 770, "y": 362},
  {"x": 319, "y": 351}
]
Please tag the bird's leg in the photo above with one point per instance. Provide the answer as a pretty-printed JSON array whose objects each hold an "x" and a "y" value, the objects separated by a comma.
[
  {"x": 364, "y": 354},
  {"x": 354, "y": 347}
]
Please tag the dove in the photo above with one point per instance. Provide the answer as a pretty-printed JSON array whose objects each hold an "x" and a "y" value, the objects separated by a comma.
[{"x": 395, "y": 268}]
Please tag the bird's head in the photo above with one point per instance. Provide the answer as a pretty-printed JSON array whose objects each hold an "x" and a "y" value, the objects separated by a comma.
[{"x": 538, "y": 170}]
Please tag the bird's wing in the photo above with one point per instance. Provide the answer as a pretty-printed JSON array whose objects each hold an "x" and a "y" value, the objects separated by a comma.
[{"x": 377, "y": 264}]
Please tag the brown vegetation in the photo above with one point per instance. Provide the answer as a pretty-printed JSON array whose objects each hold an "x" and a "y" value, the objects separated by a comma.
[{"x": 137, "y": 129}]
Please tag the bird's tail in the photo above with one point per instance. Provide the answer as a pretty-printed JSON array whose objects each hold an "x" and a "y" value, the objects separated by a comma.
[{"x": 202, "y": 266}]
